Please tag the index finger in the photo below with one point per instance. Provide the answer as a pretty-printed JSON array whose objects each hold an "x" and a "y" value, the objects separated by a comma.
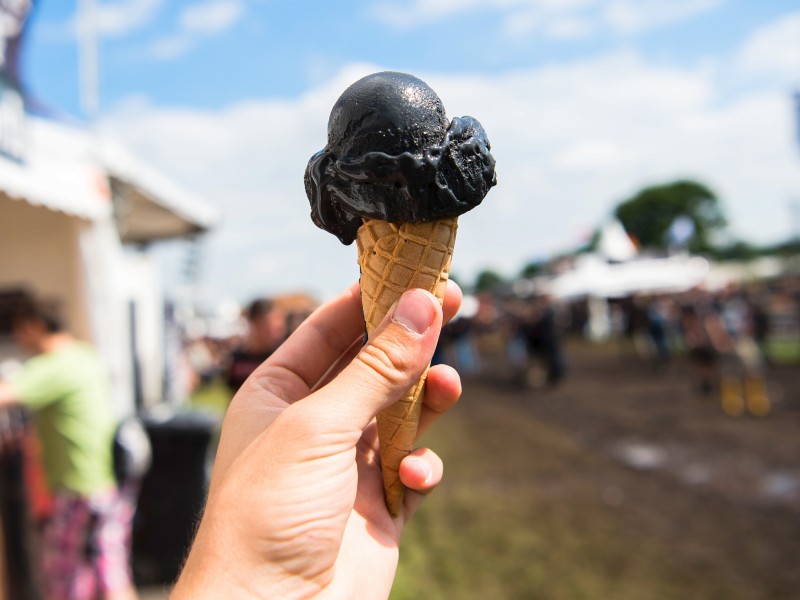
[
  {"x": 326, "y": 341},
  {"x": 320, "y": 340}
]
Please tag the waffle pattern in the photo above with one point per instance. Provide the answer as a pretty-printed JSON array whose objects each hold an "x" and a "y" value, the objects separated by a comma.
[{"x": 395, "y": 258}]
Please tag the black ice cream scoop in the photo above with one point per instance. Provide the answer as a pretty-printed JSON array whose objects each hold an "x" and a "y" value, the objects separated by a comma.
[{"x": 392, "y": 156}]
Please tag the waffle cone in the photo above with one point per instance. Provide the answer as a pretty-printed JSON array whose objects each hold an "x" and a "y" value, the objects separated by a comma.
[{"x": 395, "y": 258}]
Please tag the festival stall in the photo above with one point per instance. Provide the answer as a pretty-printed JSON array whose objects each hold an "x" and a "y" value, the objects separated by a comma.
[{"x": 69, "y": 204}]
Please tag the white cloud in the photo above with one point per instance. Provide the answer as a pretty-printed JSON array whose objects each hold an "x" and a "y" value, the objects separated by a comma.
[
  {"x": 566, "y": 19},
  {"x": 120, "y": 18},
  {"x": 529, "y": 21},
  {"x": 635, "y": 16},
  {"x": 167, "y": 48},
  {"x": 775, "y": 48},
  {"x": 408, "y": 14},
  {"x": 589, "y": 154},
  {"x": 404, "y": 14},
  {"x": 111, "y": 19},
  {"x": 195, "y": 23},
  {"x": 570, "y": 141},
  {"x": 211, "y": 17},
  {"x": 570, "y": 28}
]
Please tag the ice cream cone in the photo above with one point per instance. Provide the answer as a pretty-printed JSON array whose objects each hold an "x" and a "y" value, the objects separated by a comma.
[{"x": 395, "y": 258}]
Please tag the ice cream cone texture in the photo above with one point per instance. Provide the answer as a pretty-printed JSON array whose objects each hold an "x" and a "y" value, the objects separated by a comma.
[
  {"x": 394, "y": 177},
  {"x": 395, "y": 258}
]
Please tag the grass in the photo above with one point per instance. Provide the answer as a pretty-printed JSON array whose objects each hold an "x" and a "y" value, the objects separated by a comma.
[
  {"x": 783, "y": 351},
  {"x": 214, "y": 397},
  {"x": 526, "y": 511},
  {"x": 508, "y": 524}
]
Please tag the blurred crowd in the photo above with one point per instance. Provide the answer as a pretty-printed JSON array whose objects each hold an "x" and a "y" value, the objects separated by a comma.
[
  {"x": 727, "y": 337},
  {"x": 60, "y": 442}
]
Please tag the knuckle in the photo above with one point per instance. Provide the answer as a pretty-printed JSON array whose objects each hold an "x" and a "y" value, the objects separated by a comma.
[{"x": 389, "y": 359}]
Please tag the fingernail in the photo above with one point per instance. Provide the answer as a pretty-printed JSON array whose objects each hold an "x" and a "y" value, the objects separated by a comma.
[
  {"x": 423, "y": 466},
  {"x": 415, "y": 312}
]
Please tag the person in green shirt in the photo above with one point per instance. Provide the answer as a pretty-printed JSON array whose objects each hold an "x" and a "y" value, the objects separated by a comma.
[{"x": 85, "y": 540}]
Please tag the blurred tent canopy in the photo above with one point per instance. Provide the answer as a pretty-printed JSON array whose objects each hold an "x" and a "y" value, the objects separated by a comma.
[
  {"x": 53, "y": 173},
  {"x": 594, "y": 276},
  {"x": 70, "y": 170},
  {"x": 147, "y": 206}
]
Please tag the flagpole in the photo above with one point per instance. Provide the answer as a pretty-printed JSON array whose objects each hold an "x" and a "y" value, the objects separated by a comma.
[{"x": 87, "y": 34}]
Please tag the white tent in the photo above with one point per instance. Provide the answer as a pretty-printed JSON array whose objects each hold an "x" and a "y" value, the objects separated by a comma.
[
  {"x": 594, "y": 276},
  {"x": 67, "y": 204},
  {"x": 614, "y": 242}
]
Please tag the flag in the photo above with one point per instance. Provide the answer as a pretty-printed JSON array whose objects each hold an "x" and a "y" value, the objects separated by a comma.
[{"x": 13, "y": 15}]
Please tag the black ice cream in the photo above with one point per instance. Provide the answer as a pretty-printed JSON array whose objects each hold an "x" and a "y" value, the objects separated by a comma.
[{"x": 392, "y": 156}]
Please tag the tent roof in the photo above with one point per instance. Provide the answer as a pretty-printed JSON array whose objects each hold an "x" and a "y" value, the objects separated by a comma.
[
  {"x": 69, "y": 169},
  {"x": 55, "y": 173},
  {"x": 155, "y": 207},
  {"x": 596, "y": 277}
]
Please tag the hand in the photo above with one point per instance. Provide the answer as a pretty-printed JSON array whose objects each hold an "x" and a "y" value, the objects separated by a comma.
[{"x": 295, "y": 507}]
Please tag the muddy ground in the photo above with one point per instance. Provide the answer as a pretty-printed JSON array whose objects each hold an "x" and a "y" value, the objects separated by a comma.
[{"x": 622, "y": 482}]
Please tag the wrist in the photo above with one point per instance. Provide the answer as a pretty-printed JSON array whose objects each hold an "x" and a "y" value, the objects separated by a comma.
[
  {"x": 210, "y": 572},
  {"x": 218, "y": 568}
]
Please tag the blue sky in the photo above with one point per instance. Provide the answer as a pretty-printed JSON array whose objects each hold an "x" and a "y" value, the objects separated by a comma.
[
  {"x": 584, "y": 102},
  {"x": 210, "y": 54}
]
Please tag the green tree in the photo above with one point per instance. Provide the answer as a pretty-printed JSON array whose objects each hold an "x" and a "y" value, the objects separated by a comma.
[
  {"x": 488, "y": 280},
  {"x": 649, "y": 214},
  {"x": 533, "y": 268},
  {"x": 738, "y": 250}
]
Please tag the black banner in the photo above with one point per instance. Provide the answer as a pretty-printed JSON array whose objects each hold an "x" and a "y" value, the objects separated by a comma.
[{"x": 13, "y": 14}]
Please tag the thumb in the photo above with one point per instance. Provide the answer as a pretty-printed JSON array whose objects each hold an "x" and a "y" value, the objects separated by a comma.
[{"x": 391, "y": 362}]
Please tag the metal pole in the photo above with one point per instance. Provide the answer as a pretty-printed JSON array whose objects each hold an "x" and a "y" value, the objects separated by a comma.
[{"x": 87, "y": 35}]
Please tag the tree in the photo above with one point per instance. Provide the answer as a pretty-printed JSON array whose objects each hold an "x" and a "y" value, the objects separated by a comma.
[
  {"x": 488, "y": 280},
  {"x": 738, "y": 250},
  {"x": 649, "y": 214},
  {"x": 533, "y": 268}
]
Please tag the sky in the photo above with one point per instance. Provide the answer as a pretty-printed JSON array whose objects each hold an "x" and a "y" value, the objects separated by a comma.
[{"x": 584, "y": 101}]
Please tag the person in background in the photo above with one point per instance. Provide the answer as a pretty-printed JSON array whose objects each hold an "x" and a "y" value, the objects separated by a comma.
[
  {"x": 759, "y": 310},
  {"x": 702, "y": 335},
  {"x": 539, "y": 331},
  {"x": 85, "y": 538},
  {"x": 267, "y": 329},
  {"x": 743, "y": 384},
  {"x": 657, "y": 328}
]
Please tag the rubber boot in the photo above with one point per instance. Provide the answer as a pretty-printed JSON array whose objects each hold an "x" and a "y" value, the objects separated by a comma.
[
  {"x": 757, "y": 400},
  {"x": 731, "y": 394}
]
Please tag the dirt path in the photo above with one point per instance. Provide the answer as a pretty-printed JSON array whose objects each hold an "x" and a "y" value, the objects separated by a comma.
[
  {"x": 621, "y": 483},
  {"x": 656, "y": 421}
]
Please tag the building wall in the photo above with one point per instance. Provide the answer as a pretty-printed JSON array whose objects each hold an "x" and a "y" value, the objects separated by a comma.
[{"x": 39, "y": 253}]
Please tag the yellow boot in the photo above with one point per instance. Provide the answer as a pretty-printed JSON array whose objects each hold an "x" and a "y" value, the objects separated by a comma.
[
  {"x": 731, "y": 393},
  {"x": 757, "y": 400}
]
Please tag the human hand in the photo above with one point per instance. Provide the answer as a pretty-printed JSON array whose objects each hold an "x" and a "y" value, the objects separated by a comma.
[{"x": 296, "y": 505}]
